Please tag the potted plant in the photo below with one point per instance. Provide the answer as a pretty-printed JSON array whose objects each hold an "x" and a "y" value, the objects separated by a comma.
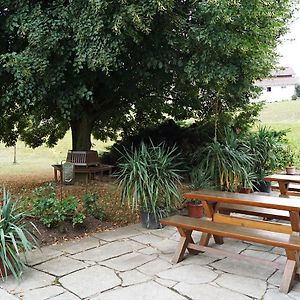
[
  {"x": 247, "y": 182},
  {"x": 265, "y": 145},
  {"x": 16, "y": 236},
  {"x": 225, "y": 162},
  {"x": 290, "y": 158},
  {"x": 148, "y": 177}
]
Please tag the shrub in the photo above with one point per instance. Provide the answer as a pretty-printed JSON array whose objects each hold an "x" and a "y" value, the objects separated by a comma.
[
  {"x": 52, "y": 211},
  {"x": 91, "y": 206}
]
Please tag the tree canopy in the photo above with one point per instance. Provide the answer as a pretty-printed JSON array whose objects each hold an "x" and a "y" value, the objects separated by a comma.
[{"x": 98, "y": 66}]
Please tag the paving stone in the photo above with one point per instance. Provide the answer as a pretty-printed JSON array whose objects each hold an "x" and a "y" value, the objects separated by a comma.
[
  {"x": 127, "y": 261},
  {"x": 38, "y": 256},
  {"x": 153, "y": 267},
  {"x": 6, "y": 296},
  {"x": 118, "y": 234},
  {"x": 279, "y": 251},
  {"x": 167, "y": 257},
  {"x": 230, "y": 245},
  {"x": 147, "y": 239},
  {"x": 65, "y": 296},
  {"x": 148, "y": 250},
  {"x": 42, "y": 293},
  {"x": 207, "y": 292},
  {"x": 109, "y": 250},
  {"x": 166, "y": 232},
  {"x": 76, "y": 246},
  {"x": 165, "y": 246},
  {"x": 200, "y": 259},
  {"x": 166, "y": 282},
  {"x": 248, "y": 286},
  {"x": 244, "y": 268},
  {"x": 61, "y": 266},
  {"x": 189, "y": 274},
  {"x": 133, "y": 277},
  {"x": 261, "y": 254},
  {"x": 274, "y": 294},
  {"x": 281, "y": 259},
  {"x": 275, "y": 279},
  {"x": 31, "y": 279},
  {"x": 90, "y": 281},
  {"x": 259, "y": 247},
  {"x": 145, "y": 291}
]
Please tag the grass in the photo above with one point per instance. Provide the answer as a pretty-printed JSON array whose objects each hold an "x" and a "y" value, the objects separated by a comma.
[
  {"x": 284, "y": 115},
  {"x": 39, "y": 159}
]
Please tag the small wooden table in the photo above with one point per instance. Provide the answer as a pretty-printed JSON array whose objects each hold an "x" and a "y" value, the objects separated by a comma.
[{"x": 283, "y": 181}]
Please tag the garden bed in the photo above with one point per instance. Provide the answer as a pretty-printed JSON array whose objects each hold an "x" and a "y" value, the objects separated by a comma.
[{"x": 116, "y": 215}]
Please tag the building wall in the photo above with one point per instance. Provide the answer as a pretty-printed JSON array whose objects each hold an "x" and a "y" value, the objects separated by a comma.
[{"x": 277, "y": 93}]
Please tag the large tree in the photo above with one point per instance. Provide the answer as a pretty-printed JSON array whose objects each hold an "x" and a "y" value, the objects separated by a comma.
[{"x": 98, "y": 66}]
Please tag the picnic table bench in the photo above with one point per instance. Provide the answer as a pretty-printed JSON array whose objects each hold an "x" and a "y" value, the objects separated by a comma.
[
  {"x": 85, "y": 162},
  {"x": 285, "y": 182},
  {"x": 220, "y": 224}
]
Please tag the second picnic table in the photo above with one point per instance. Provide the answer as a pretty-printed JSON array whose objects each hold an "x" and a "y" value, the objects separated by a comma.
[{"x": 283, "y": 181}]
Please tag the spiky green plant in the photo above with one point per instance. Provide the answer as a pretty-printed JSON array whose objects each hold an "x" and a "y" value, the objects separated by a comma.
[
  {"x": 16, "y": 236},
  {"x": 149, "y": 177}
]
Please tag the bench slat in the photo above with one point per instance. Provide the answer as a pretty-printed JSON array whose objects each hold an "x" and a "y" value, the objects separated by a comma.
[
  {"x": 254, "y": 211},
  {"x": 275, "y": 239}
]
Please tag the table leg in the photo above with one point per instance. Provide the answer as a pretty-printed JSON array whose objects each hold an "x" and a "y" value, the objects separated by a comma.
[
  {"x": 55, "y": 174},
  {"x": 283, "y": 187}
]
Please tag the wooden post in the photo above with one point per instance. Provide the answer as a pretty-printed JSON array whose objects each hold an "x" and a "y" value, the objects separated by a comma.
[{"x": 15, "y": 154}]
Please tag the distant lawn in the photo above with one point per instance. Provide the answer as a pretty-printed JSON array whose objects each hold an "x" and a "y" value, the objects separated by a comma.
[
  {"x": 38, "y": 160},
  {"x": 283, "y": 115}
]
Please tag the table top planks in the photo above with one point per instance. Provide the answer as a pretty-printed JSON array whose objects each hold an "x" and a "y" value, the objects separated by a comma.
[
  {"x": 282, "y": 203},
  {"x": 283, "y": 178}
]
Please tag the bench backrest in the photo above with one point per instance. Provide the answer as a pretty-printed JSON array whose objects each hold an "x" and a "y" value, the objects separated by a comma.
[{"x": 83, "y": 158}]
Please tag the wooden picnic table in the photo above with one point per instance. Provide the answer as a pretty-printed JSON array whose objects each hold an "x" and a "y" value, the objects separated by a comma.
[
  {"x": 284, "y": 181},
  {"x": 219, "y": 224}
]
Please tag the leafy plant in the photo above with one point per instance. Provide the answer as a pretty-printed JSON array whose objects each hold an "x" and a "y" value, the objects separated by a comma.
[
  {"x": 225, "y": 163},
  {"x": 266, "y": 146},
  {"x": 91, "y": 207},
  {"x": 52, "y": 211},
  {"x": 199, "y": 179},
  {"x": 149, "y": 177},
  {"x": 16, "y": 236}
]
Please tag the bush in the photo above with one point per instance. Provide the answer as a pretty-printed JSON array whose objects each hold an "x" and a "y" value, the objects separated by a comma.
[
  {"x": 52, "y": 211},
  {"x": 91, "y": 207}
]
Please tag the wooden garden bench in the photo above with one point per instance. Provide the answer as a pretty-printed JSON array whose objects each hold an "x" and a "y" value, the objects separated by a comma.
[
  {"x": 85, "y": 162},
  {"x": 219, "y": 224}
]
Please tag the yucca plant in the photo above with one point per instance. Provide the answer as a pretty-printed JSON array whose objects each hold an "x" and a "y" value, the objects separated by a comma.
[
  {"x": 16, "y": 236},
  {"x": 226, "y": 163},
  {"x": 148, "y": 177}
]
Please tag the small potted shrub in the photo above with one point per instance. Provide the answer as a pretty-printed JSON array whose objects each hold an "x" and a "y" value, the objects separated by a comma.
[
  {"x": 290, "y": 157},
  {"x": 195, "y": 208},
  {"x": 148, "y": 177},
  {"x": 16, "y": 236},
  {"x": 247, "y": 179}
]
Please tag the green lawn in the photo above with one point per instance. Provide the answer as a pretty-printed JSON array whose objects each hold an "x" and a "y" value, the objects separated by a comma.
[
  {"x": 39, "y": 159},
  {"x": 284, "y": 115}
]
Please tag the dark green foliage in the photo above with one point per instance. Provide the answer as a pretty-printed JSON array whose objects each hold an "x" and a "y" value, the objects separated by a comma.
[
  {"x": 105, "y": 66},
  {"x": 91, "y": 207},
  {"x": 297, "y": 91},
  {"x": 266, "y": 146},
  {"x": 148, "y": 177},
  {"x": 52, "y": 211},
  {"x": 16, "y": 236}
]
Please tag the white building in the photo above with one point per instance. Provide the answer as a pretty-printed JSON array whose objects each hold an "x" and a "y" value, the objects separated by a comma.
[{"x": 280, "y": 86}]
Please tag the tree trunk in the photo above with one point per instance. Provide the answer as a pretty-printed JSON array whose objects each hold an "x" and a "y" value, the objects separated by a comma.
[{"x": 81, "y": 133}]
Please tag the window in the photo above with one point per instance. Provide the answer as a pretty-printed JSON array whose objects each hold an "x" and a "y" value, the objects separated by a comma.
[{"x": 268, "y": 89}]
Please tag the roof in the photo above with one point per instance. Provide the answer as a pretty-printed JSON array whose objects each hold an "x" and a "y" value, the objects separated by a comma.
[
  {"x": 277, "y": 81},
  {"x": 283, "y": 71}
]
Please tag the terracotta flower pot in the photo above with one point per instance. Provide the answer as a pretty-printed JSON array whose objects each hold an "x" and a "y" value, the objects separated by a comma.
[
  {"x": 195, "y": 209},
  {"x": 245, "y": 190},
  {"x": 290, "y": 170}
]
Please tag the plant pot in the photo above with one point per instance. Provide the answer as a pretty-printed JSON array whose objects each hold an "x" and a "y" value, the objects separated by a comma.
[
  {"x": 195, "y": 209},
  {"x": 262, "y": 186},
  {"x": 245, "y": 190},
  {"x": 150, "y": 220},
  {"x": 290, "y": 170}
]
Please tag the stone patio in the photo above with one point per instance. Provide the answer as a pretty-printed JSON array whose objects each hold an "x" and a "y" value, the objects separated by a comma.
[{"x": 135, "y": 263}]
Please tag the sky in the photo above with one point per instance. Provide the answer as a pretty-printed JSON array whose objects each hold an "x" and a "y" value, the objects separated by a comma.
[{"x": 290, "y": 47}]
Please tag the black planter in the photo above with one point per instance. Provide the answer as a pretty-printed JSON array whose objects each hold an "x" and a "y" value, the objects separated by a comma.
[
  {"x": 262, "y": 186},
  {"x": 150, "y": 220}
]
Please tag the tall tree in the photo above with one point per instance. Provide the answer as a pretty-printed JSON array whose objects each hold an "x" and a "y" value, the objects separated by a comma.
[{"x": 98, "y": 66}]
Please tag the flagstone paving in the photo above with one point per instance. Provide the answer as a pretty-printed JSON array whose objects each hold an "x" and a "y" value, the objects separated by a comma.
[{"x": 135, "y": 263}]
